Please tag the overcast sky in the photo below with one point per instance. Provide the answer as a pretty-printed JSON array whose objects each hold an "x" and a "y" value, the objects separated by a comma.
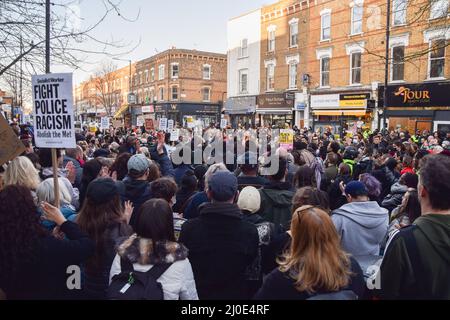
[{"x": 192, "y": 24}]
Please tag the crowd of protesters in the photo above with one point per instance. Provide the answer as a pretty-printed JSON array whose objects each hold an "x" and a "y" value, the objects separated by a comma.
[{"x": 313, "y": 229}]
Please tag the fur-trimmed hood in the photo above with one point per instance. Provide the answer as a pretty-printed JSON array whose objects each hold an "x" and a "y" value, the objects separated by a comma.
[{"x": 146, "y": 252}]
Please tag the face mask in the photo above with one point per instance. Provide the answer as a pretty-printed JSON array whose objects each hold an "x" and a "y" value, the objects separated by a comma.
[{"x": 355, "y": 141}]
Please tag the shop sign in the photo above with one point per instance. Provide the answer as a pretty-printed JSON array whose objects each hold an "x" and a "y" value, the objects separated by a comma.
[
  {"x": 417, "y": 95},
  {"x": 276, "y": 101},
  {"x": 349, "y": 101},
  {"x": 325, "y": 101},
  {"x": 148, "y": 109}
]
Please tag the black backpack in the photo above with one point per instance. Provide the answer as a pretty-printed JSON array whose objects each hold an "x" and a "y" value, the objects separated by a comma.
[{"x": 135, "y": 285}]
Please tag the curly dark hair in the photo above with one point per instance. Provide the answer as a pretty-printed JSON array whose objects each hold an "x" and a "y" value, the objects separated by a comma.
[{"x": 20, "y": 229}]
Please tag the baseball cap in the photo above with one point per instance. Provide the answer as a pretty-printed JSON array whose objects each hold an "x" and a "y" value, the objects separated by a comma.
[
  {"x": 223, "y": 185},
  {"x": 356, "y": 189},
  {"x": 102, "y": 190},
  {"x": 249, "y": 199},
  {"x": 138, "y": 163}
]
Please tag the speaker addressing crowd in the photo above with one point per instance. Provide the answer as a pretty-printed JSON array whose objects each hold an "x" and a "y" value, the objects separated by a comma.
[{"x": 238, "y": 218}]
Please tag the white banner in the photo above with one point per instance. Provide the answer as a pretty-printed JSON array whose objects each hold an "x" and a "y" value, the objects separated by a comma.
[
  {"x": 174, "y": 135},
  {"x": 169, "y": 125},
  {"x": 53, "y": 110},
  {"x": 140, "y": 121},
  {"x": 163, "y": 124},
  {"x": 104, "y": 123},
  {"x": 223, "y": 123}
]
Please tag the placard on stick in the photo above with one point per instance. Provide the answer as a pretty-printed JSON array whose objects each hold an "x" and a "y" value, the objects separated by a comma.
[
  {"x": 163, "y": 124},
  {"x": 104, "y": 123},
  {"x": 10, "y": 145},
  {"x": 53, "y": 110}
]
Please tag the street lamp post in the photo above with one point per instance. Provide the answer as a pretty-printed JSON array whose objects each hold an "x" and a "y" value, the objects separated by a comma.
[{"x": 386, "y": 66}]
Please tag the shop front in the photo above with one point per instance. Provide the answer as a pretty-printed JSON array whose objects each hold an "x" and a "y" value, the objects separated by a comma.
[
  {"x": 275, "y": 110},
  {"x": 343, "y": 113},
  {"x": 422, "y": 106},
  {"x": 241, "y": 110},
  {"x": 184, "y": 113},
  {"x": 136, "y": 111}
]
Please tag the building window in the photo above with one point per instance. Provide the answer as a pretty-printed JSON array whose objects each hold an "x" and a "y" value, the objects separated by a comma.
[
  {"x": 161, "y": 94},
  {"x": 325, "y": 26},
  {"x": 437, "y": 58},
  {"x": 271, "y": 40},
  {"x": 357, "y": 18},
  {"x": 293, "y": 31},
  {"x": 270, "y": 77},
  {"x": 174, "y": 71},
  {"x": 152, "y": 95},
  {"x": 206, "y": 72},
  {"x": 355, "y": 68},
  {"x": 398, "y": 63},
  {"x": 206, "y": 94},
  {"x": 146, "y": 76},
  {"x": 325, "y": 71},
  {"x": 135, "y": 79},
  {"x": 243, "y": 81},
  {"x": 161, "y": 72},
  {"x": 293, "y": 75},
  {"x": 174, "y": 93},
  {"x": 244, "y": 49},
  {"x": 399, "y": 12},
  {"x": 152, "y": 74},
  {"x": 439, "y": 9}
]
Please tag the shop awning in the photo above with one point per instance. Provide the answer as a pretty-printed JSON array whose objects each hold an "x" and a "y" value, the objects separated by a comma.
[
  {"x": 121, "y": 110},
  {"x": 356, "y": 113}
]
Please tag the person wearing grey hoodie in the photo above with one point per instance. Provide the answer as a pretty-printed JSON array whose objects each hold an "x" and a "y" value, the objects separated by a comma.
[{"x": 362, "y": 224}]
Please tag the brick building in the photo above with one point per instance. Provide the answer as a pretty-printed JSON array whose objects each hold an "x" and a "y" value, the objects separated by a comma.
[
  {"x": 6, "y": 102},
  {"x": 105, "y": 95},
  {"x": 331, "y": 55},
  {"x": 346, "y": 62},
  {"x": 284, "y": 43},
  {"x": 182, "y": 85}
]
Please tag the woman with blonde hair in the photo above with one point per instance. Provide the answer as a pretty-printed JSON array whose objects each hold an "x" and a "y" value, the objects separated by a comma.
[
  {"x": 21, "y": 171},
  {"x": 315, "y": 266}
]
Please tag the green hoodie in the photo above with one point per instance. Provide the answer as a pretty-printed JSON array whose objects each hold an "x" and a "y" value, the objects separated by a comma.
[
  {"x": 276, "y": 206},
  {"x": 398, "y": 281}
]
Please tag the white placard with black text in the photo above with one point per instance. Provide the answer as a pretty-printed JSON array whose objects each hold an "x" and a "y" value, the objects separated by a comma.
[
  {"x": 104, "y": 123},
  {"x": 53, "y": 110},
  {"x": 163, "y": 124}
]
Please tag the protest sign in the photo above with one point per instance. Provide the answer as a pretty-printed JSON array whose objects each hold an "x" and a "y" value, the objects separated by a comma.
[
  {"x": 169, "y": 126},
  {"x": 223, "y": 123},
  {"x": 140, "y": 121},
  {"x": 287, "y": 139},
  {"x": 53, "y": 110},
  {"x": 163, "y": 124},
  {"x": 149, "y": 124},
  {"x": 190, "y": 122},
  {"x": 174, "y": 135},
  {"x": 117, "y": 123},
  {"x": 10, "y": 145},
  {"x": 104, "y": 123},
  {"x": 93, "y": 128}
]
